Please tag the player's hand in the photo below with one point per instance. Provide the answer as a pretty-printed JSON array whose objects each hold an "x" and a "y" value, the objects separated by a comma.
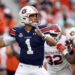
[
  {"x": 69, "y": 42},
  {"x": 38, "y": 31},
  {"x": 70, "y": 45},
  {"x": 60, "y": 47}
]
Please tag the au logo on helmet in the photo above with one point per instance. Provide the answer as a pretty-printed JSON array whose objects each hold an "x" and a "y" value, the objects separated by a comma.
[{"x": 24, "y": 11}]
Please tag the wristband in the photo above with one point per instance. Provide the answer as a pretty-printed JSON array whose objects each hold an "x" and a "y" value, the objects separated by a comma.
[{"x": 43, "y": 36}]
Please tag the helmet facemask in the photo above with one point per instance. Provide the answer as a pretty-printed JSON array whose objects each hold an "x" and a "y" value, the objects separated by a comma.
[{"x": 34, "y": 19}]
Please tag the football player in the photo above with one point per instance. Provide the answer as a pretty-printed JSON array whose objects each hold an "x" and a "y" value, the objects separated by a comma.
[
  {"x": 30, "y": 38},
  {"x": 69, "y": 50},
  {"x": 56, "y": 63}
]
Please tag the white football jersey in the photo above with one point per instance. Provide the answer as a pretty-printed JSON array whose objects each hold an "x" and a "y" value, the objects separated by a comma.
[
  {"x": 8, "y": 40},
  {"x": 55, "y": 59}
]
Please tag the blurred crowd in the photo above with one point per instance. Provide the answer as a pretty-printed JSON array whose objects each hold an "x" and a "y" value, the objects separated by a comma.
[
  {"x": 54, "y": 11},
  {"x": 61, "y": 12},
  {"x": 9, "y": 57}
]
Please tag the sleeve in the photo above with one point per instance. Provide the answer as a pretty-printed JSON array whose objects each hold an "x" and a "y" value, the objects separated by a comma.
[
  {"x": 8, "y": 39},
  {"x": 45, "y": 29},
  {"x": 12, "y": 32}
]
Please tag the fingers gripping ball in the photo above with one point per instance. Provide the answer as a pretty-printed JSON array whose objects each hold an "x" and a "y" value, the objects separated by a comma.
[{"x": 62, "y": 48}]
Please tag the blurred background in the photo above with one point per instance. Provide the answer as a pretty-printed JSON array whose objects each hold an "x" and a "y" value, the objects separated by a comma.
[
  {"x": 61, "y": 12},
  {"x": 55, "y": 11}
]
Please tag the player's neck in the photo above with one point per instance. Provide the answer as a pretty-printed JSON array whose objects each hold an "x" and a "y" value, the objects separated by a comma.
[{"x": 28, "y": 27}]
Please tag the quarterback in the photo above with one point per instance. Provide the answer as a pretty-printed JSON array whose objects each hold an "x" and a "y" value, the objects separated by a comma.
[{"x": 30, "y": 38}]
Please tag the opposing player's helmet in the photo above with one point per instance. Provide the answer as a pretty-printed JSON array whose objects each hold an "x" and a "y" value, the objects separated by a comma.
[
  {"x": 71, "y": 34},
  {"x": 25, "y": 12},
  {"x": 55, "y": 31}
]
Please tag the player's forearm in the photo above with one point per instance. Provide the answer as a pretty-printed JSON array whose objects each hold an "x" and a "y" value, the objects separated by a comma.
[
  {"x": 50, "y": 41},
  {"x": 68, "y": 55},
  {"x": 2, "y": 44},
  {"x": 47, "y": 38},
  {"x": 70, "y": 58},
  {"x": 14, "y": 53}
]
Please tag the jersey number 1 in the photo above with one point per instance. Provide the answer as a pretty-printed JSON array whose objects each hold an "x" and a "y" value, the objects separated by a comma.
[{"x": 29, "y": 51}]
